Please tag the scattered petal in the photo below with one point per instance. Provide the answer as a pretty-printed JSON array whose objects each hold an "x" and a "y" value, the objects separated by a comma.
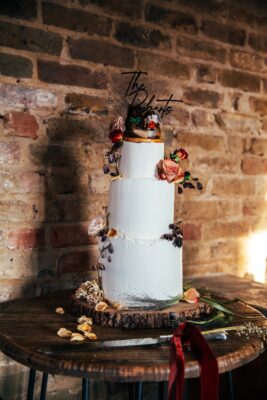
[
  {"x": 77, "y": 337},
  {"x": 90, "y": 335},
  {"x": 85, "y": 320},
  {"x": 101, "y": 306},
  {"x": 63, "y": 332},
  {"x": 84, "y": 327},
  {"x": 60, "y": 310},
  {"x": 119, "y": 306}
]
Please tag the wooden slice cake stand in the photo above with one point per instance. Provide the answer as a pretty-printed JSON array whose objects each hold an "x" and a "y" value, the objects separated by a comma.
[{"x": 139, "y": 318}]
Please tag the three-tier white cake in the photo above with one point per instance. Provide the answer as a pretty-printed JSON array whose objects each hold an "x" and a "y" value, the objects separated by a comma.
[{"x": 143, "y": 267}]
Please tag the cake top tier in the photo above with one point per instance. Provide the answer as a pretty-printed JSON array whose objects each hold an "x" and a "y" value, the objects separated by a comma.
[{"x": 139, "y": 160}]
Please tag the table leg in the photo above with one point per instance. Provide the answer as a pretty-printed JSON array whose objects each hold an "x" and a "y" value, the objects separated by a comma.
[
  {"x": 85, "y": 389},
  {"x": 230, "y": 385},
  {"x": 138, "y": 391},
  {"x": 163, "y": 390},
  {"x": 31, "y": 384},
  {"x": 44, "y": 386}
]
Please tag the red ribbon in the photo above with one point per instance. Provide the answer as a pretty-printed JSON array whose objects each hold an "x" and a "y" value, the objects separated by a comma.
[{"x": 187, "y": 333}]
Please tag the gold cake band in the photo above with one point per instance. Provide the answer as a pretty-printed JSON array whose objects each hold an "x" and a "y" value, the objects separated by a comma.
[{"x": 141, "y": 140}]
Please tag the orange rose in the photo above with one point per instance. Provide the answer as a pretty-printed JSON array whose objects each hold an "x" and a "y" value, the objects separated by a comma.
[
  {"x": 169, "y": 170},
  {"x": 191, "y": 296}
]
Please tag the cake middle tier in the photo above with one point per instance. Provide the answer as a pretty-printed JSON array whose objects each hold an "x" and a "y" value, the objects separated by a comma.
[{"x": 141, "y": 208}]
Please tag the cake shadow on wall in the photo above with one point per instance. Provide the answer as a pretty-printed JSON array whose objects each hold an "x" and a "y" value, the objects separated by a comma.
[{"x": 63, "y": 262}]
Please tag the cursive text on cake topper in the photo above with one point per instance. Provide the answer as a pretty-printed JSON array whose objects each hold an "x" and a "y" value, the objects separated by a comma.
[{"x": 138, "y": 95}]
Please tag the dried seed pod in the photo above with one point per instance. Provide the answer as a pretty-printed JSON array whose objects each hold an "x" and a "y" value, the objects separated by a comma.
[
  {"x": 101, "y": 306},
  {"x": 77, "y": 337},
  {"x": 85, "y": 320},
  {"x": 84, "y": 327},
  {"x": 63, "y": 332},
  {"x": 60, "y": 310},
  {"x": 90, "y": 335}
]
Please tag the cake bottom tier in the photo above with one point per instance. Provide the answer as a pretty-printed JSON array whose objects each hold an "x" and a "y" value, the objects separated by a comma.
[{"x": 142, "y": 273}]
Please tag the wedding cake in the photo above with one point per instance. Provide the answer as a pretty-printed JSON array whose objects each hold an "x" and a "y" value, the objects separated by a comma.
[{"x": 141, "y": 260}]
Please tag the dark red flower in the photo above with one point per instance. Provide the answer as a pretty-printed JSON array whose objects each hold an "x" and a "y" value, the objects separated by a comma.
[
  {"x": 181, "y": 153},
  {"x": 116, "y": 136},
  {"x": 151, "y": 125}
]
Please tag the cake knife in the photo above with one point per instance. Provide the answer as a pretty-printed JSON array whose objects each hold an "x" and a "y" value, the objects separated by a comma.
[{"x": 108, "y": 344}]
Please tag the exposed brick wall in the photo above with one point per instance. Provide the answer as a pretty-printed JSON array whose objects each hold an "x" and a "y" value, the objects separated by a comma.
[
  {"x": 60, "y": 65},
  {"x": 60, "y": 88}
]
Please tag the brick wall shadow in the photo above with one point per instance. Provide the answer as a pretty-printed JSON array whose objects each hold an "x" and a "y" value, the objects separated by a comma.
[{"x": 64, "y": 256}]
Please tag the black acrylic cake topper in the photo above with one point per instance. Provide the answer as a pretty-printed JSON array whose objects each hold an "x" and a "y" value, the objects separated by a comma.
[{"x": 138, "y": 96}]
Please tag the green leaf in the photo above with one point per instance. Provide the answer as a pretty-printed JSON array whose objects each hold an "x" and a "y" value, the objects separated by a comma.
[
  {"x": 135, "y": 120},
  {"x": 216, "y": 305}
]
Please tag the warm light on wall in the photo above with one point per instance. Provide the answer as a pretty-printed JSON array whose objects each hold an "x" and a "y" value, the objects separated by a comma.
[{"x": 257, "y": 255}]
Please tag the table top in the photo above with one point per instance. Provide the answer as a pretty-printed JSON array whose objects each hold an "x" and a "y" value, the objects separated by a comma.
[{"x": 29, "y": 324}]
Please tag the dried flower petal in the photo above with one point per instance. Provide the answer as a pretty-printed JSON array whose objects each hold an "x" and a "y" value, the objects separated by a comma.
[
  {"x": 119, "y": 306},
  {"x": 191, "y": 296},
  {"x": 90, "y": 335},
  {"x": 97, "y": 225},
  {"x": 101, "y": 306},
  {"x": 112, "y": 232},
  {"x": 60, "y": 310},
  {"x": 85, "y": 320},
  {"x": 63, "y": 332},
  {"x": 77, "y": 337},
  {"x": 84, "y": 327},
  {"x": 90, "y": 291}
]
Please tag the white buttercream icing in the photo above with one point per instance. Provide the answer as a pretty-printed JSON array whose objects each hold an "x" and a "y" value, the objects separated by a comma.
[
  {"x": 135, "y": 271},
  {"x": 139, "y": 160},
  {"x": 141, "y": 208}
]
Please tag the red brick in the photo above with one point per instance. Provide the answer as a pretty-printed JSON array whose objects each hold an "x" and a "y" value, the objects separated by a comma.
[
  {"x": 245, "y": 60},
  {"x": 258, "y": 42},
  {"x": 101, "y": 52},
  {"x": 200, "y": 49},
  {"x": 164, "y": 66},
  {"x": 239, "y": 80},
  {"x": 255, "y": 207},
  {"x": 177, "y": 20},
  {"x": 9, "y": 153},
  {"x": 11, "y": 65},
  {"x": 206, "y": 74},
  {"x": 223, "y": 32},
  {"x": 23, "y": 9},
  {"x": 202, "y": 118},
  {"x": 53, "y": 72},
  {"x": 24, "y": 38},
  {"x": 81, "y": 103},
  {"x": 75, "y": 262},
  {"x": 21, "y": 124},
  {"x": 141, "y": 36},
  {"x": 76, "y": 20},
  {"x": 208, "y": 6},
  {"x": 254, "y": 166},
  {"x": 192, "y": 231},
  {"x": 207, "y": 98},
  {"x": 26, "y": 238},
  {"x": 131, "y": 9},
  {"x": 258, "y": 105},
  {"x": 24, "y": 97},
  {"x": 21, "y": 182},
  {"x": 258, "y": 147},
  {"x": 73, "y": 129},
  {"x": 70, "y": 235}
]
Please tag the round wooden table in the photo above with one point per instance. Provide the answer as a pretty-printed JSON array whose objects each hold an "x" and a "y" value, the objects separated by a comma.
[{"x": 31, "y": 324}]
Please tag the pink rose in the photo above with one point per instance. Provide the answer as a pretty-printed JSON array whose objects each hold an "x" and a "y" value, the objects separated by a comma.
[{"x": 169, "y": 170}]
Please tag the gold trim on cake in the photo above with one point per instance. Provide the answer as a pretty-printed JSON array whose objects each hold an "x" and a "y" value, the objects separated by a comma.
[{"x": 141, "y": 140}]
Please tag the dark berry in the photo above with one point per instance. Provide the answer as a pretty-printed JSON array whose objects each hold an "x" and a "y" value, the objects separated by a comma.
[
  {"x": 106, "y": 169},
  {"x": 110, "y": 248},
  {"x": 109, "y": 258}
]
